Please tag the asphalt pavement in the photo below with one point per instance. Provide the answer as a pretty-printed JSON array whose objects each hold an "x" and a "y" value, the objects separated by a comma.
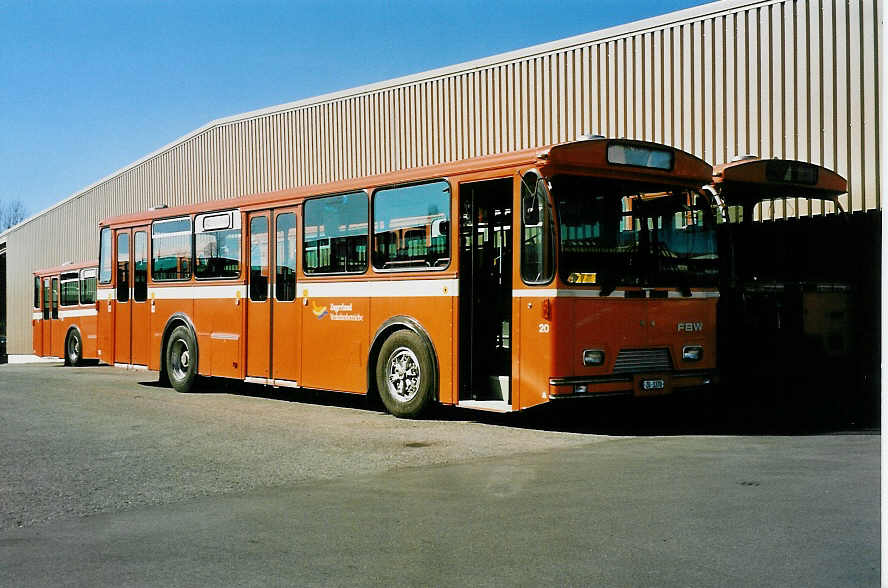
[{"x": 112, "y": 480}]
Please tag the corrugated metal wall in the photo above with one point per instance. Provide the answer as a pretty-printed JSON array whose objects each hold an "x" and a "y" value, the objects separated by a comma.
[{"x": 780, "y": 78}]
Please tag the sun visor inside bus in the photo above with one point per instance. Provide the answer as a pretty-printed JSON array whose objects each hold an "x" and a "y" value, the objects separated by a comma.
[{"x": 752, "y": 181}]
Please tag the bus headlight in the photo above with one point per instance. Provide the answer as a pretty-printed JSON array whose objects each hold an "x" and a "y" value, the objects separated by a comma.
[
  {"x": 692, "y": 353},
  {"x": 592, "y": 357}
]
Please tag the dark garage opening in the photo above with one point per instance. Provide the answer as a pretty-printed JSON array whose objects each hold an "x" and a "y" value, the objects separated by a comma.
[{"x": 799, "y": 336}]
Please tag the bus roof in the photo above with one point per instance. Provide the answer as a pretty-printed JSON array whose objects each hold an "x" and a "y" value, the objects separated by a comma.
[
  {"x": 638, "y": 163},
  {"x": 752, "y": 180},
  {"x": 66, "y": 267}
]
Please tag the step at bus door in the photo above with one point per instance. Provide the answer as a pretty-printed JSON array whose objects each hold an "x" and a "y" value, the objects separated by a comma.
[{"x": 486, "y": 290}]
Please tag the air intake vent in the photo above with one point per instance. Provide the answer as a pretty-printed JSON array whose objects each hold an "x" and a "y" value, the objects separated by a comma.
[{"x": 633, "y": 361}]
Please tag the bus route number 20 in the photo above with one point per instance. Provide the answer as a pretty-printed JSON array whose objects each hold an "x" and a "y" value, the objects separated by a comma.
[{"x": 544, "y": 327}]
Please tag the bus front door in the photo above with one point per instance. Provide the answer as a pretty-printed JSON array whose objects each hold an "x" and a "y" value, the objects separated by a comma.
[{"x": 485, "y": 291}]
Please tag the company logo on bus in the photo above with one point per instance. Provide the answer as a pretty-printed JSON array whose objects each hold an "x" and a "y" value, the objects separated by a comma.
[
  {"x": 319, "y": 311},
  {"x": 337, "y": 312},
  {"x": 690, "y": 327}
]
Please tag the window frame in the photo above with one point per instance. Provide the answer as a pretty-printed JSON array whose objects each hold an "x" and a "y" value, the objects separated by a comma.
[
  {"x": 450, "y": 240},
  {"x": 367, "y": 263}
]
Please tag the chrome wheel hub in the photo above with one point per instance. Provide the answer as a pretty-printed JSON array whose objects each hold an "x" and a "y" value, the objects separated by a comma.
[
  {"x": 403, "y": 376},
  {"x": 180, "y": 358}
]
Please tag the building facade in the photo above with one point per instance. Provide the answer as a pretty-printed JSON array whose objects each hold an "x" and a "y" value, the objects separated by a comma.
[{"x": 796, "y": 79}]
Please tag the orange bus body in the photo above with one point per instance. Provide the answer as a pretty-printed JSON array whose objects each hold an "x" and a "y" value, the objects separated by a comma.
[
  {"x": 334, "y": 329},
  {"x": 64, "y": 315}
]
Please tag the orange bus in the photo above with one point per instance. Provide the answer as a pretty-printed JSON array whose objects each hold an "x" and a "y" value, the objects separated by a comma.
[
  {"x": 423, "y": 285},
  {"x": 64, "y": 314},
  {"x": 786, "y": 293}
]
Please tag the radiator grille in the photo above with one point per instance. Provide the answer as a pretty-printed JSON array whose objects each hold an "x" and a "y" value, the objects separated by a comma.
[{"x": 631, "y": 361}]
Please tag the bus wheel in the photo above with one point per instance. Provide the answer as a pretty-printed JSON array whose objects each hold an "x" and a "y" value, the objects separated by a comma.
[
  {"x": 181, "y": 359},
  {"x": 404, "y": 374},
  {"x": 73, "y": 349}
]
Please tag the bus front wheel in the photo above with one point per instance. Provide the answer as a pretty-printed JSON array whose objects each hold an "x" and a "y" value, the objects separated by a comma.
[
  {"x": 73, "y": 349},
  {"x": 405, "y": 374},
  {"x": 181, "y": 359}
]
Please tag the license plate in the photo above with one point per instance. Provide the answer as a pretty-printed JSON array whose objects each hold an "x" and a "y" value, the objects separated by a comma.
[{"x": 652, "y": 385}]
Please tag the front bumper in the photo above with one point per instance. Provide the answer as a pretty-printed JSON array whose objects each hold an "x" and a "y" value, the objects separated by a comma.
[{"x": 629, "y": 384}]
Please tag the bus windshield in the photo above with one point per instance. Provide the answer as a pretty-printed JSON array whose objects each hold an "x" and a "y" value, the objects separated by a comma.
[{"x": 610, "y": 238}]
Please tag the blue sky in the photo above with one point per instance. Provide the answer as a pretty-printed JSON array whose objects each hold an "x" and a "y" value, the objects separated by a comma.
[{"x": 89, "y": 87}]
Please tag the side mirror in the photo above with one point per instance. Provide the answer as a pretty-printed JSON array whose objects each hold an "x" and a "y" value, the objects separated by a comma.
[{"x": 440, "y": 227}]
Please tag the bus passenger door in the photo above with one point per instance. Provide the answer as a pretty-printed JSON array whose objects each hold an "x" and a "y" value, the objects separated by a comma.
[
  {"x": 286, "y": 315},
  {"x": 122, "y": 293},
  {"x": 258, "y": 299},
  {"x": 485, "y": 290},
  {"x": 140, "y": 307},
  {"x": 56, "y": 326},
  {"x": 46, "y": 324}
]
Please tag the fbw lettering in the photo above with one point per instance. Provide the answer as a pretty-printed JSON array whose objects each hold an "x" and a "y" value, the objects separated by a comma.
[{"x": 689, "y": 327}]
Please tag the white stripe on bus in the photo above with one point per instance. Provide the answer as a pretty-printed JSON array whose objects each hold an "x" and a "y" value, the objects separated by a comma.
[
  {"x": 363, "y": 289},
  {"x": 78, "y": 312},
  {"x": 379, "y": 289}
]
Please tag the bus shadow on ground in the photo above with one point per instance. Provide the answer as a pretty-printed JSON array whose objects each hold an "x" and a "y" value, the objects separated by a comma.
[
  {"x": 84, "y": 363},
  {"x": 710, "y": 413},
  {"x": 672, "y": 416}
]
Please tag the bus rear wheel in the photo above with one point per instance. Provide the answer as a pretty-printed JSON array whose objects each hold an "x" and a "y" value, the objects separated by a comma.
[
  {"x": 73, "y": 349},
  {"x": 181, "y": 359},
  {"x": 405, "y": 374}
]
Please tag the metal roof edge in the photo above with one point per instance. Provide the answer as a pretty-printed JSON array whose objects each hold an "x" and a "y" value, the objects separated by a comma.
[{"x": 635, "y": 27}]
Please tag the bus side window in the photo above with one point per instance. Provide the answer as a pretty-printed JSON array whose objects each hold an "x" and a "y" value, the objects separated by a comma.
[
  {"x": 537, "y": 232},
  {"x": 285, "y": 258},
  {"x": 70, "y": 289},
  {"x": 105, "y": 256},
  {"x": 411, "y": 227},
  {"x": 335, "y": 234},
  {"x": 122, "y": 267},
  {"x": 46, "y": 299},
  {"x": 171, "y": 249},
  {"x": 36, "y": 292},
  {"x": 140, "y": 266},
  {"x": 55, "y": 298},
  {"x": 88, "y": 286},
  {"x": 259, "y": 259},
  {"x": 217, "y": 245}
]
